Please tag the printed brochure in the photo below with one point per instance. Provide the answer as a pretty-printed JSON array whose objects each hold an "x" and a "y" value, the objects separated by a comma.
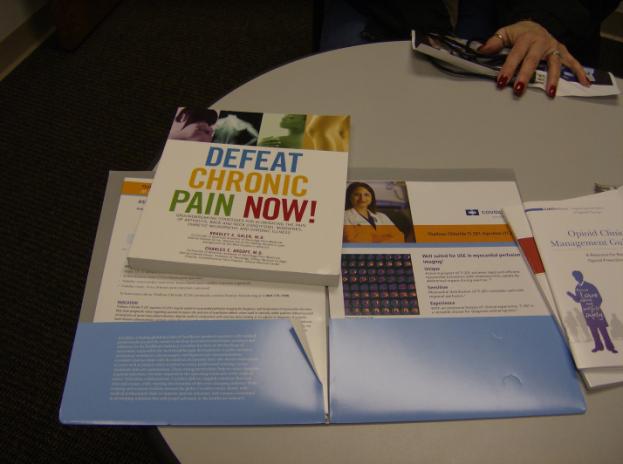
[{"x": 581, "y": 243}]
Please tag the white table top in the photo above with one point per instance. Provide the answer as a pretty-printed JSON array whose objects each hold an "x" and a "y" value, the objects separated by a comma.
[{"x": 407, "y": 114}]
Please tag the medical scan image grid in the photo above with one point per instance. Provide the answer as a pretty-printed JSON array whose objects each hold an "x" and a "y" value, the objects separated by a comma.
[{"x": 378, "y": 285}]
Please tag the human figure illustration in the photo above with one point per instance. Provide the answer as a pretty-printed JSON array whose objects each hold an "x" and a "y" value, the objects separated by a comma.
[{"x": 587, "y": 295}]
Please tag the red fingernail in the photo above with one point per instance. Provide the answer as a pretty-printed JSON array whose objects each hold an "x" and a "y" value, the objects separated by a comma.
[
  {"x": 551, "y": 92},
  {"x": 502, "y": 81},
  {"x": 519, "y": 88}
]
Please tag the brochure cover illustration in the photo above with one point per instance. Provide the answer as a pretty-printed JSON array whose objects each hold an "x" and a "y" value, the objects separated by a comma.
[
  {"x": 517, "y": 220},
  {"x": 461, "y": 57},
  {"x": 247, "y": 195},
  {"x": 437, "y": 315},
  {"x": 145, "y": 352},
  {"x": 581, "y": 243}
]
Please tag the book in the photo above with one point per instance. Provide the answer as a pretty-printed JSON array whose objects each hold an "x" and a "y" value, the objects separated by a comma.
[
  {"x": 167, "y": 349},
  {"x": 446, "y": 323},
  {"x": 518, "y": 222},
  {"x": 460, "y": 57},
  {"x": 580, "y": 241},
  {"x": 247, "y": 195}
]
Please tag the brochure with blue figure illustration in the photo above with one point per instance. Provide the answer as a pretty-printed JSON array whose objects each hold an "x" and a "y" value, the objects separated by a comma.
[
  {"x": 518, "y": 221},
  {"x": 581, "y": 243}
]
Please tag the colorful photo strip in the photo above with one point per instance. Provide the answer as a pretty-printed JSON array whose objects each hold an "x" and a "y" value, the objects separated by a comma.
[{"x": 277, "y": 130}]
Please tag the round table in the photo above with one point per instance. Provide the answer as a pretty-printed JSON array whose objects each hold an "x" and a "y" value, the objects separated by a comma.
[{"x": 407, "y": 114}]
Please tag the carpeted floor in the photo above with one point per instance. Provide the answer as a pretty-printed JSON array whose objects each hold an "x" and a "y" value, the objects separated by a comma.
[{"x": 66, "y": 119}]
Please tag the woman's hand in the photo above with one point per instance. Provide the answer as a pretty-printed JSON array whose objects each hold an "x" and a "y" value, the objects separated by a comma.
[{"x": 530, "y": 43}]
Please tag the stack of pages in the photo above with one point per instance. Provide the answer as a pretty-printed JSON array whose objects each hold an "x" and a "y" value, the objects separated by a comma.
[
  {"x": 206, "y": 301},
  {"x": 575, "y": 250}
]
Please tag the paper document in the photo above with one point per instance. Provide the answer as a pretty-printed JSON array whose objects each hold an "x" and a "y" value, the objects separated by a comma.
[
  {"x": 581, "y": 244},
  {"x": 517, "y": 220}
]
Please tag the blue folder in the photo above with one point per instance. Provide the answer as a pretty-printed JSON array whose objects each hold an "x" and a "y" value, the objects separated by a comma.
[
  {"x": 191, "y": 373},
  {"x": 395, "y": 370}
]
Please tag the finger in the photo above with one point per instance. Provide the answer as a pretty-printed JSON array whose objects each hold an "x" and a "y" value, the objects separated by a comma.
[
  {"x": 528, "y": 66},
  {"x": 494, "y": 45},
  {"x": 514, "y": 58},
  {"x": 575, "y": 66},
  {"x": 553, "y": 73}
]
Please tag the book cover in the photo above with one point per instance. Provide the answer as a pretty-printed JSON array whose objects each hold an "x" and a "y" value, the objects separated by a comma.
[
  {"x": 247, "y": 195},
  {"x": 437, "y": 316}
]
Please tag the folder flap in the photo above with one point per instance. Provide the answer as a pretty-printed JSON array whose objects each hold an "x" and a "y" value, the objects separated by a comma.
[
  {"x": 239, "y": 372},
  {"x": 388, "y": 370}
]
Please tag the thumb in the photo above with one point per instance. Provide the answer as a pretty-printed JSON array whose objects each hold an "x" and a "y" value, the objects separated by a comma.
[{"x": 491, "y": 46}]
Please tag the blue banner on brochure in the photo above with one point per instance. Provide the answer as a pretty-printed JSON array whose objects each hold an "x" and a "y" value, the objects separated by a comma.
[
  {"x": 191, "y": 373},
  {"x": 398, "y": 370}
]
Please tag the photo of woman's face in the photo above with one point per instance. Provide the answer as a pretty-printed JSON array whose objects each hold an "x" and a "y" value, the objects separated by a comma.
[{"x": 360, "y": 197}]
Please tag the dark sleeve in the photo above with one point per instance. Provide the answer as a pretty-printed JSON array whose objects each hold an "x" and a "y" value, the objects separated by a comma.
[
  {"x": 394, "y": 19},
  {"x": 575, "y": 23}
]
